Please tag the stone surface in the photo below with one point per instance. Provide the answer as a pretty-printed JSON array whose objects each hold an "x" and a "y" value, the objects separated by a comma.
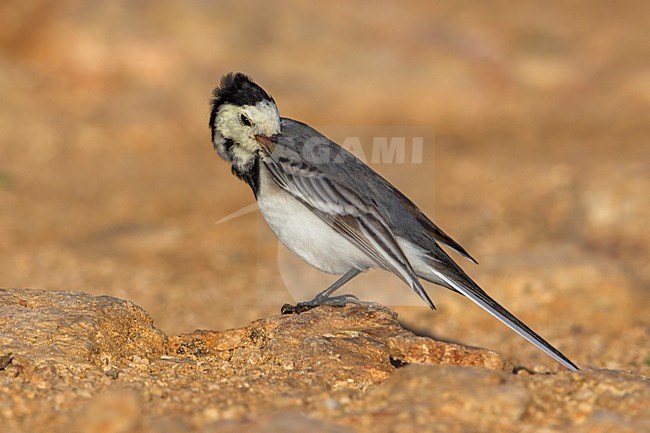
[
  {"x": 434, "y": 398},
  {"x": 62, "y": 327},
  {"x": 97, "y": 364}
]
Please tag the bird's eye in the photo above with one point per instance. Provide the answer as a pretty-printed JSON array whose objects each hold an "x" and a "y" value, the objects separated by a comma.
[{"x": 245, "y": 120}]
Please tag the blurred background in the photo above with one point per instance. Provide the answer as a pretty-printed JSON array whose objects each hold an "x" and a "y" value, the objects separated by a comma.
[{"x": 540, "y": 165}]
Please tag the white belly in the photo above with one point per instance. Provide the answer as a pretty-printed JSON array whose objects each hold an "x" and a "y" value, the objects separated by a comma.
[{"x": 308, "y": 236}]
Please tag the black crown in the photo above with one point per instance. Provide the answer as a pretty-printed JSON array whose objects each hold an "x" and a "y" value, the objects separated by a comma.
[{"x": 237, "y": 89}]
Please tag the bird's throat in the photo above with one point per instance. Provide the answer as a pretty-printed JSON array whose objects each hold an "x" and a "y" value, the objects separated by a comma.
[{"x": 249, "y": 173}]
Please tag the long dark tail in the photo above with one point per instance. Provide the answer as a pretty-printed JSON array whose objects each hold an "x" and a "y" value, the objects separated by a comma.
[{"x": 471, "y": 290}]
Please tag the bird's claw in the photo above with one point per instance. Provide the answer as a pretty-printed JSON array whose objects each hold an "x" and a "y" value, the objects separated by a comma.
[{"x": 333, "y": 301}]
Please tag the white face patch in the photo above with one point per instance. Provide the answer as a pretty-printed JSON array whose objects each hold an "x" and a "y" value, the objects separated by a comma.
[{"x": 264, "y": 119}]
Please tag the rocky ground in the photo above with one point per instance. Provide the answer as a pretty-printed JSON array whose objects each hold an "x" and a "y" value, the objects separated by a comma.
[
  {"x": 535, "y": 158},
  {"x": 75, "y": 362}
]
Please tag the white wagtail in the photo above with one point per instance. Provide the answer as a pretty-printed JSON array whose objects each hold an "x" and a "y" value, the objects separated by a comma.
[{"x": 334, "y": 211}]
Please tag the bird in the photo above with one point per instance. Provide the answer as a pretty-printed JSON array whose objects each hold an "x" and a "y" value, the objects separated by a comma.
[{"x": 335, "y": 212}]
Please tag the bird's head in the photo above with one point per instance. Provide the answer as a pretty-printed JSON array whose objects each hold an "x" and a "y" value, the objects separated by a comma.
[{"x": 243, "y": 119}]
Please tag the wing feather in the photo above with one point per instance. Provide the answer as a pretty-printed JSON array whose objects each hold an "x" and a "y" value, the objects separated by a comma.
[{"x": 344, "y": 211}]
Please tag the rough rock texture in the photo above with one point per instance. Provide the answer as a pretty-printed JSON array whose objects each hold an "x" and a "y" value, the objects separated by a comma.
[
  {"x": 64, "y": 327},
  {"x": 76, "y": 362}
]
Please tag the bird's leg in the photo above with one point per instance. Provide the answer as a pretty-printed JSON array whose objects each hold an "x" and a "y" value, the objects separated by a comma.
[{"x": 324, "y": 298}]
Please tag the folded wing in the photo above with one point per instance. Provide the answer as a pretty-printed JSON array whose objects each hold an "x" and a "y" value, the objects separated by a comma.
[{"x": 344, "y": 211}]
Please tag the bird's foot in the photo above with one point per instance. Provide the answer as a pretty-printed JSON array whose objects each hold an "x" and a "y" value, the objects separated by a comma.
[{"x": 333, "y": 301}]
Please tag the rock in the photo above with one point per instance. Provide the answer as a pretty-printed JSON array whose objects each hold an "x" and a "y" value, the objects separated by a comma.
[
  {"x": 64, "y": 327},
  {"x": 482, "y": 400},
  {"x": 359, "y": 344},
  {"x": 65, "y": 347},
  {"x": 568, "y": 398},
  {"x": 328, "y": 369},
  {"x": 421, "y": 395},
  {"x": 412, "y": 349}
]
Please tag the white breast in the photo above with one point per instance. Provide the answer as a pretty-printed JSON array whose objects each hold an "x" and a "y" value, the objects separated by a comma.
[{"x": 305, "y": 234}]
